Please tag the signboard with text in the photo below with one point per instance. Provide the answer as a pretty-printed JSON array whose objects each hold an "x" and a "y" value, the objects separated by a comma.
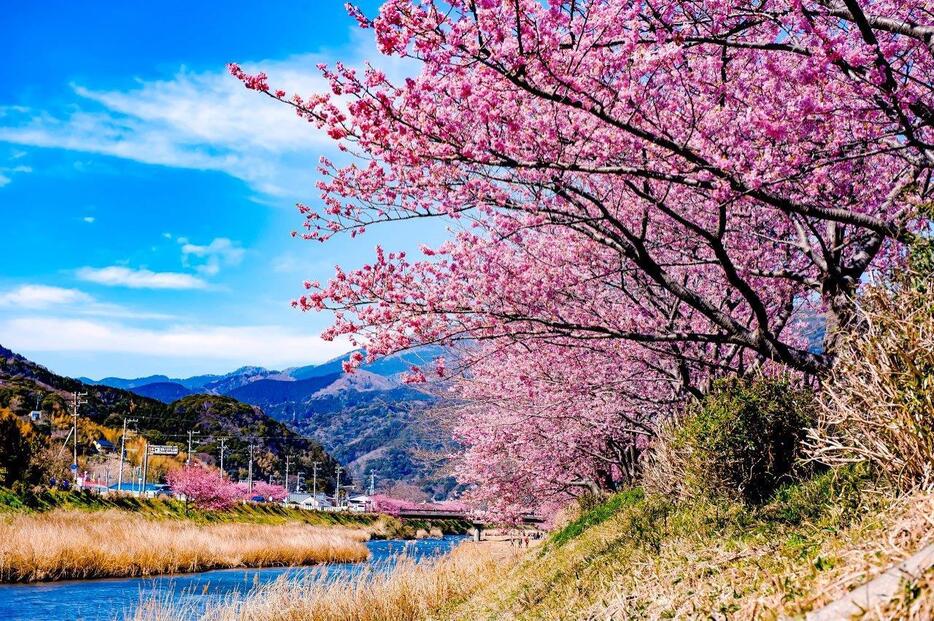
[{"x": 163, "y": 449}]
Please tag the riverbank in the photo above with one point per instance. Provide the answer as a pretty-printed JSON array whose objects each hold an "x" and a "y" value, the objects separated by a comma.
[
  {"x": 172, "y": 509},
  {"x": 377, "y": 526},
  {"x": 645, "y": 557},
  {"x": 408, "y": 591},
  {"x": 72, "y": 544},
  {"x": 119, "y": 598}
]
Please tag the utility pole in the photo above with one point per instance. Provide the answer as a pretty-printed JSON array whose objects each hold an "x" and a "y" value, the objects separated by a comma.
[
  {"x": 79, "y": 400},
  {"x": 123, "y": 453},
  {"x": 223, "y": 450},
  {"x": 337, "y": 490},
  {"x": 288, "y": 459},
  {"x": 372, "y": 483},
  {"x": 190, "y": 434},
  {"x": 314, "y": 478},
  {"x": 146, "y": 466},
  {"x": 299, "y": 480},
  {"x": 250, "y": 471}
]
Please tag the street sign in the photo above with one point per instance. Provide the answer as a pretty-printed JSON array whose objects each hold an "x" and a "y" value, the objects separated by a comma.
[
  {"x": 163, "y": 449},
  {"x": 74, "y": 467}
]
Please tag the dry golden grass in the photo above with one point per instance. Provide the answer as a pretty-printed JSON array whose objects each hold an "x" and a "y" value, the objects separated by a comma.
[
  {"x": 915, "y": 602},
  {"x": 707, "y": 564},
  {"x": 878, "y": 404},
  {"x": 77, "y": 544},
  {"x": 408, "y": 592}
]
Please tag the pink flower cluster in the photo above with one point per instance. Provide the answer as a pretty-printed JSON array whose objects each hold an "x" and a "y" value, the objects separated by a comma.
[{"x": 207, "y": 488}]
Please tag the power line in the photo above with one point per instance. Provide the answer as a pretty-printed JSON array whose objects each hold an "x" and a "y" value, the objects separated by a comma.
[
  {"x": 314, "y": 478},
  {"x": 223, "y": 450},
  {"x": 79, "y": 400},
  {"x": 337, "y": 490},
  {"x": 188, "y": 456},
  {"x": 123, "y": 452},
  {"x": 250, "y": 471}
]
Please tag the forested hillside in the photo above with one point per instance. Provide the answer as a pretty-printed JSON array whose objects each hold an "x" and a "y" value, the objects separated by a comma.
[{"x": 26, "y": 386}]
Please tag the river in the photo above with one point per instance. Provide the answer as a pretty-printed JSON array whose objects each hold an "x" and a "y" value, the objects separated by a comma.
[{"x": 110, "y": 599}]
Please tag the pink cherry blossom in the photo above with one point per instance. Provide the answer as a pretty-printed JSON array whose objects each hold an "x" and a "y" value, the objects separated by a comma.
[{"x": 639, "y": 201}]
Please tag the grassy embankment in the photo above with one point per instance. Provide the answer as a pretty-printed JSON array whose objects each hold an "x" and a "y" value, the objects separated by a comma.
[
  {"x": 646, "y": 558},
  {"x": 378, "y": 527},
  {"x": 165, "y": 508},
  {"x": 638, "y": 557}
]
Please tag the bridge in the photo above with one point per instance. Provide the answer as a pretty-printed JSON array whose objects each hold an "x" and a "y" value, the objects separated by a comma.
[{"x": 441, "y": 514}]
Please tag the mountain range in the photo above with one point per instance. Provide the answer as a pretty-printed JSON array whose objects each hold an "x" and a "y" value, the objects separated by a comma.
[{"x": 368, "y": 420}]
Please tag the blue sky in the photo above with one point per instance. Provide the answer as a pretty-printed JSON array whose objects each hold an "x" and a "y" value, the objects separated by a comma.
[{"x": 147, "y": 198}]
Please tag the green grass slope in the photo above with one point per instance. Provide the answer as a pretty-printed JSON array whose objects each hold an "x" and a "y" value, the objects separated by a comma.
[{"x": 638, "y": 557}]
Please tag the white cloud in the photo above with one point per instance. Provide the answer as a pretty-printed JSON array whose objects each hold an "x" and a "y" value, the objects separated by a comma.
[
  {"x": 119, "y": 276},
  {"x": 208, "y": 259},
  {"x": 205, "y": 121},
  {"x": 6, "y": 173},
  {"x": 41, "y": 296},
  {"x": 265, "y": 345},
  {"x": 89, "y": 219}
]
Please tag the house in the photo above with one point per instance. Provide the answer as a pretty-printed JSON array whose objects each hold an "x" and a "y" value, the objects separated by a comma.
[
  {"x": 359, "y": 503},
  {"x": 295, "y": 498},
  {"x": 319, "y": 502},
  {"x": 102, "y": 445}
]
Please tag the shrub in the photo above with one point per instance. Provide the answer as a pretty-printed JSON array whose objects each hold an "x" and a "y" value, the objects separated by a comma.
[
  {"x": 742, "y": 441},
  {"x": 877, "y": 406}
]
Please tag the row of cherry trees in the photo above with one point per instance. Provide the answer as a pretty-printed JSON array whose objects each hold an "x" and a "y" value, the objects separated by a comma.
[
  {"x": 642, "y": 196},
  {"x": 208, "y": 488}
]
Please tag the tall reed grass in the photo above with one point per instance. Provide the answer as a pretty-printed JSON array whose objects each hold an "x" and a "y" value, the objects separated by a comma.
[
  {"x": 409, "y": 591},
  {"x": 878, "y": 404},
  {"x": 64, "y": 544}
]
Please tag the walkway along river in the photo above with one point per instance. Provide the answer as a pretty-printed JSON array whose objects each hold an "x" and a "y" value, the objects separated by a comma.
[{"x": 110, "y": 599}]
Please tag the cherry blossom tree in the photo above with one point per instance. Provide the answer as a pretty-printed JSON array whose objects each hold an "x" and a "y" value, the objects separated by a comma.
[
  {"x": 652, "y": 192},
  {"x": 268, "y": 491},
  {"x": 540, "y": 429},
  {"x": 389, "y": 505},
  {"x": 205, "y": 487},
  {"x": 708, "y": 167}
]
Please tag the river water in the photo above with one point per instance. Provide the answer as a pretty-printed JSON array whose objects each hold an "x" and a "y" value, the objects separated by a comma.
[{"x": 110, "y": 599}]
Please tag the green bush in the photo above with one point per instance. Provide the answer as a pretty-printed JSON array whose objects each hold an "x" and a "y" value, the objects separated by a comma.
[{"x": 741, "y": 441}]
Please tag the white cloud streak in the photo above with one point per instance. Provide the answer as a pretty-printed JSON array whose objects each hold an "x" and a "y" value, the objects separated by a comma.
[
  {"x": 32, "y": 297},
  {"x": 119, "y": 276},
  {"x": 202, "y": 120},
  {"x": 42, "y": 296},
  {"x": 220, "y": 252},
  {"x": 270, "y": 346}
]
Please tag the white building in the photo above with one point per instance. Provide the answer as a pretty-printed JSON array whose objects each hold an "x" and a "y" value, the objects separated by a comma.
[
  {"x": 361, "y": 503},
  {"x": 319, "y": 502}
]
